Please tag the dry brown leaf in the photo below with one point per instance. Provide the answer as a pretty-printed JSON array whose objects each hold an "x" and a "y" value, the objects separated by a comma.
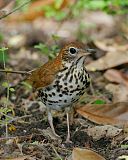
[
  {"x": 120, "y": 92},
  {"x": 34, "y": 10},
  {"x": 113, "y": 114},
  {"x": 111, "y": 59},
  {"x": 114, "y": 75},
  {"x": 110, "y": 45},
  {"x": 4, "y": 3},
  {"x": 99, "y": 132},
  {"x": 85, "y": 154}
]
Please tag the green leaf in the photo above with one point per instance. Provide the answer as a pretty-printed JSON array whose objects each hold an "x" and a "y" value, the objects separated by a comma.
[
  {"x": 43, "y": 48},
  {"x": 58, "y": 3},
  {"x": 60, "y": 15},
  {"x": 99, "y": 101},
  {"x": 27, "y": 85},
  {"x": 12, "y": 89},
  {"x": 124, "y": 146},
  {"x": 1, "y": 37},
  {"x": 55, "y": 37},
  {"x": 97, "y": 4},
  {"x": 5, "y": 84},
  {"x": 2, "y": 51}
]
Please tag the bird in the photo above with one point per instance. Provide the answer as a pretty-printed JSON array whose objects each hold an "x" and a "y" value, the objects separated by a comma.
[{"x": 62, "y": 81}]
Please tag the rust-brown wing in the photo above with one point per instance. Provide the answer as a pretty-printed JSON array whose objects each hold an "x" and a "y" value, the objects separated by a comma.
[{"x": 45, "y": 75}]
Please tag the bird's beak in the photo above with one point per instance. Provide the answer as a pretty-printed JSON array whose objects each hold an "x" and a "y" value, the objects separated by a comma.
[
  {"x": 87, "y": 51},
  {"x": 91, "y": 51}
]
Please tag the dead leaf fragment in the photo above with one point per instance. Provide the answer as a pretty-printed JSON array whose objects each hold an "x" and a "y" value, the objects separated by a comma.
[
  {"x": 4, "y": 3},
  {"x": 120, "y": 92},
  {"x": 35, "y": 10},
  {"x": 110, "y": 60},
  {"x": 123, "y": 157},
  {"x": 113, "y": 114},
  {"x": 21, "y": 158},
  {"x": 85, "y": 154},
  {"x": 114, "y": 75},
  {"x": 99, "y": 132}
]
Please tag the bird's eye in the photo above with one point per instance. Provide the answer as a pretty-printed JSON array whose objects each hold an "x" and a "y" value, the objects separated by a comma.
[{"x": 72, "y": 50}]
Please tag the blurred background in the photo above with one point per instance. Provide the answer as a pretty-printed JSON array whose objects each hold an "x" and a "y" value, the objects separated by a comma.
[
  {"x": 37, "y": 30},
  {"x": 33, "y": 31}
]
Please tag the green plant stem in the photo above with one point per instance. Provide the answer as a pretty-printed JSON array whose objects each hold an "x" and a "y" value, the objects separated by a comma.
[{"x": 6, "y": 106}]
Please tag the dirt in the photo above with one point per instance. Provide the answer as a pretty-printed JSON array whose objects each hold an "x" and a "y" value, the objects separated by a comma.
[{"x": 29, "y": 135}]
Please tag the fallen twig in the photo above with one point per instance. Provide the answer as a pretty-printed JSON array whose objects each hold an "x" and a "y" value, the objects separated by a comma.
[
  {"x": 17, "y": 72},
  {"x": 14, "y": 119},
  {"x": 14, "y": 10}
]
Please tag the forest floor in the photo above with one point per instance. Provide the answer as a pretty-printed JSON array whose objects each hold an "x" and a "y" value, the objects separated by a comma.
[{"x": 24, "y": 130}]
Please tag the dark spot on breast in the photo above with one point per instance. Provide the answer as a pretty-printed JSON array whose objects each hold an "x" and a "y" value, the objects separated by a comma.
[
  {"x": 41, "y": 93},
  {"x": 71, "y": 86},
  {"x": 84, "y": 82},
  {"x": 60, "y": 86},
  {"x": 58, "y": 90},
  {"x": 48, "y": 88},
  {"x": 72, "y": 91},
  {"x": 70, "y": 80},
  {"x": 64, "y": 69},
  {"x": 57, "y": 82},
  {"x": 87, "y": 84},
  {"x": 65, "y": 88},
  {"x": 50, "y": 95},
  {"x": 60, "y": 76},
  {"x": 44, "y": 103},
  {"x": 65, "y": 83},
  {"x": 44, "y": 99},
  {"x": 52, "y": 101},
  {"x": 53, "y": 94},
  {"x": 65, "y": 92},
  {"x": 65, "y": 101},
  {"x": 46, "y": 95},
  {"x": 78, "y": 93},
  {"x": 50, "y": 104},
  {"x": 66, "y": 76},
  {"x": 60, "y": 95}
]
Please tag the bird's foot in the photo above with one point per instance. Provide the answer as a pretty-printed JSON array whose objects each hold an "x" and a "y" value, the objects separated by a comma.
[
  {"x": 68, "y": 139},
  {"x": 56, "y": 135}
]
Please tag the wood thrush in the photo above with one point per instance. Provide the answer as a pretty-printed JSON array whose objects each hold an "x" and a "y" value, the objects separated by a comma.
[{"x": 62, "y": 81}]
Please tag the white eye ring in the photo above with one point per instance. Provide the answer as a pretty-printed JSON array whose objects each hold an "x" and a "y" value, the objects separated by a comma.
[{"x": 72, "y": 50}]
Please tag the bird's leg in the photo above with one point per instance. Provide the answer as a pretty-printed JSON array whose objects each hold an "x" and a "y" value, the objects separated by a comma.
[
  {"x": 50, "y": 120},
  {"x": 68, "y": 111},
  {"x": 68, "y": 126},
  {"x": 71, "y": 117}
]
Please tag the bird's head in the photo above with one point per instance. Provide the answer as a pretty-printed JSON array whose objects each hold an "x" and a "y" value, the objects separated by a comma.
[{"x": 73, "y": 51}]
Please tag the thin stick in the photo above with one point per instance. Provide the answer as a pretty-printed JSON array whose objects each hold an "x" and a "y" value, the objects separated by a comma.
[
  {"x": 17, "y": 72},
  {"x": 15, "y": 119},
  {"x": 56, "y": 152},
  {"x": 15, "y": 9}
]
